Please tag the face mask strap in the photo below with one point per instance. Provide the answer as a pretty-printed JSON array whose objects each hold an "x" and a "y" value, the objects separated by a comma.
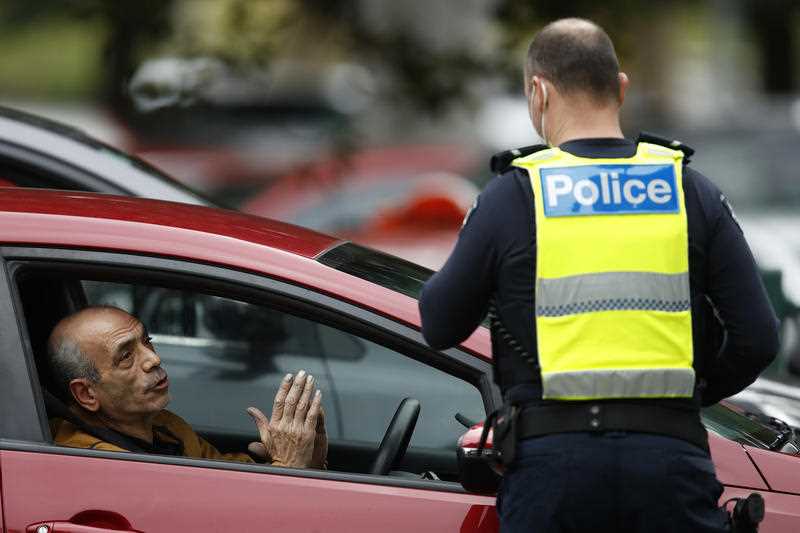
[{"x": 544, "y": 105}]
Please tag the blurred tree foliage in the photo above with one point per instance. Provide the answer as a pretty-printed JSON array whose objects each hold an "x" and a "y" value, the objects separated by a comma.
[
  {"x": 430, "y": 79},
  {"x": 774, "y": 26},
  {"x": 634, "y": 26},
  {"x": 133, "y": 26},
  {"x": 256, "y": 32}
]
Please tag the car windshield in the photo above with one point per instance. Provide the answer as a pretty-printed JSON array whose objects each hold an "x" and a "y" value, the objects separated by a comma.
[
  {"x": 736, "y": 426},
  {"x": 382, "y": 269},
  {"x": 408, "y": 278}
]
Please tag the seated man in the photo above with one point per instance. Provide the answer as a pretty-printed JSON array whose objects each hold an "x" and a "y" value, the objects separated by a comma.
[{"x": 106, "y": 368}]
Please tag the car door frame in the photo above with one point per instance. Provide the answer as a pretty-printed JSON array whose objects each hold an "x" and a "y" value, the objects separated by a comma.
[{"x": 31, "y": 432}]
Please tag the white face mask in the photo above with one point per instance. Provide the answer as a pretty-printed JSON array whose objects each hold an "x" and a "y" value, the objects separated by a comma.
[{"x": 544, "y": 105}]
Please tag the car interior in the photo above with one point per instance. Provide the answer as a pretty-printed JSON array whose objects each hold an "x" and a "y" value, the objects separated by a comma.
[{"x": 48, "y": 293}]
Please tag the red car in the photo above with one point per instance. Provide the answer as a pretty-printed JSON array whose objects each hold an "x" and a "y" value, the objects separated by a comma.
[{"x": 233, "y": 302}]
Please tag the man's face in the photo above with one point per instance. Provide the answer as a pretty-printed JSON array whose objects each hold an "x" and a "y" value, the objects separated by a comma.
[{"x": 132, "y": 383}]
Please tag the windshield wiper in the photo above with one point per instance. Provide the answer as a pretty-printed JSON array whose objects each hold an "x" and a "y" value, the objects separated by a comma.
[{"x": 785, "y": 433}]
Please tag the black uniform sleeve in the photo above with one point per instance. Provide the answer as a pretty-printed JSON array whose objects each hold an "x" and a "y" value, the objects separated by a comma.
[
  {"x": 455, "y": 300},
  {"x": 737, "y": 293}
]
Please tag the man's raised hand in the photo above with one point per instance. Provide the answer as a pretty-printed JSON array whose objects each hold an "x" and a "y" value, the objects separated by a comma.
[{"x": 289, "y": 436}]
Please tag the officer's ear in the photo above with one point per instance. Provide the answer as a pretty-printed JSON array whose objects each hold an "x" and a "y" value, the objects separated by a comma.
[
  {"x": 623, "y": 86},
  {"x": 84, "y": 394},
  {"x": 538, "y": 87}
]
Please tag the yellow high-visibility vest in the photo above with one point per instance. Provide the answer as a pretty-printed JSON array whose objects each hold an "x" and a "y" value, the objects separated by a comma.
[{"x": 613, "y": 307}]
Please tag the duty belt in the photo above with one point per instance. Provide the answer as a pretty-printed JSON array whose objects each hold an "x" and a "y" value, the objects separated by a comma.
[{"x": 539, "y": 420}]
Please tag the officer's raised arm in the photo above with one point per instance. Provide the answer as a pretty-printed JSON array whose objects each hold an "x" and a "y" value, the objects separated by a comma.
[{"x": 455, "y": 299}]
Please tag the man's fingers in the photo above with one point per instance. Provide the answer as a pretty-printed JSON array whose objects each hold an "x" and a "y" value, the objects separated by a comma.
[
  {"x": 295, "y": 392},
  {"x": 313, "y": 415},
  {"x": 280, "y": 398},
  {"x": 305, "y": 401},
  {"x": 261, "y": 422},
  {"x": 321, "y": 420}
]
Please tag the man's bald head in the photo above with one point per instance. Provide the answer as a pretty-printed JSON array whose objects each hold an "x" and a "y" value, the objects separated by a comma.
[
  {"x": 576, "y": 56},
  {"x": 68, "y": 345}
]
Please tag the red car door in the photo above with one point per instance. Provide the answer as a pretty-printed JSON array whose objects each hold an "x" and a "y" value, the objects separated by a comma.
[{"x": 50, "y": 488}]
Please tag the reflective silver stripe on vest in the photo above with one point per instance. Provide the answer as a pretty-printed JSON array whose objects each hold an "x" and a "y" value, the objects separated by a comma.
[
  {"x": 612, "y": 291},
  {"x": 629, "y": 383}
]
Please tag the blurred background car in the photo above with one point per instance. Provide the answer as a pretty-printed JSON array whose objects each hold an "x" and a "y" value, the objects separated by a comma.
[
  {"x": 409, "y": 201},
  {"x": 227, "y": 130}
]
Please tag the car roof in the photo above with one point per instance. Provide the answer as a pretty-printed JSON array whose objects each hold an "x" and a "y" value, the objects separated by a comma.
[
  {"x": 88, "y": 211},
  {"x": 25, "y": 135}
]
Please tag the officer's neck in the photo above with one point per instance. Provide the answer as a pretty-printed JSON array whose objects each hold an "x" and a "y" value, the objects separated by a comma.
[{"x": 577, "y": 120}]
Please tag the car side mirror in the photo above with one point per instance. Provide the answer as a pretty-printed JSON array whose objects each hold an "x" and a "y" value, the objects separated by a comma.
[{"x": 475, "y": 473}]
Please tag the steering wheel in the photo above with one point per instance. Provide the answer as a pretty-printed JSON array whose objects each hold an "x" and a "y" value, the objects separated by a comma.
[{"x": 395, "y": 440}]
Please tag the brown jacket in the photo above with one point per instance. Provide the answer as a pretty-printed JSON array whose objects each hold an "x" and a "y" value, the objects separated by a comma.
[{"x": 168, "y": 427}]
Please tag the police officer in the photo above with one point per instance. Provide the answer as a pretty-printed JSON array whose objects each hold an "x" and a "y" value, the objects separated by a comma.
[{"x": 604, "y": 264}]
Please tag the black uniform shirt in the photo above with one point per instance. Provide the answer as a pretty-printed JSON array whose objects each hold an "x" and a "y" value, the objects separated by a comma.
[{"x": 495, "y": 255}]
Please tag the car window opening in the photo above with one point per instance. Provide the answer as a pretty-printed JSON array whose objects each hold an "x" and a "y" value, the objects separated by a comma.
[{"x": 221, "y": 358}]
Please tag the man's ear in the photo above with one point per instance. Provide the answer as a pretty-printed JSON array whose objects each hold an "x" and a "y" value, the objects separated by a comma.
[
  {"x": 83, "y": 391},
  {"x": 623, "y": 86}
]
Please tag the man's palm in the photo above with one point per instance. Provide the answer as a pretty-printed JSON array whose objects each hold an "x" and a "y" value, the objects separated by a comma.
[{"x": 295, "y": 434}]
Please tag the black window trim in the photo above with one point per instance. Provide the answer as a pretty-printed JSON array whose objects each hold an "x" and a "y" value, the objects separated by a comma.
[
  {"x": 320, "y": 307},
  {"x": 20, "y": 401}
]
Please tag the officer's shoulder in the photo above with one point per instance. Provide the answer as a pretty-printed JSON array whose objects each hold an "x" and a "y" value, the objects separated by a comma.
[
  {"x": 500, "y": 195},
  {"x": 501, "y": 162},
  {"x": 672, "y": 144},
  {"x": 505, "y": 186},
  {"x": 701, "y": 189}
]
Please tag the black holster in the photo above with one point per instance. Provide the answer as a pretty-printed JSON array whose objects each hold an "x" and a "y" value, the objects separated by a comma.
[
  {"x": 747, "y": 513},
  {"x": 504, "y": 424}
]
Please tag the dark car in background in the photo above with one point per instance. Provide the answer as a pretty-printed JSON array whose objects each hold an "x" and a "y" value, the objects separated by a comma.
[{"x": 42, "y": 153}]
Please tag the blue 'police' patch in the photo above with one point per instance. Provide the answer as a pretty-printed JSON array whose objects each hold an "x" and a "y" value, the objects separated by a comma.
[{"x": 609, "y": 190}]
